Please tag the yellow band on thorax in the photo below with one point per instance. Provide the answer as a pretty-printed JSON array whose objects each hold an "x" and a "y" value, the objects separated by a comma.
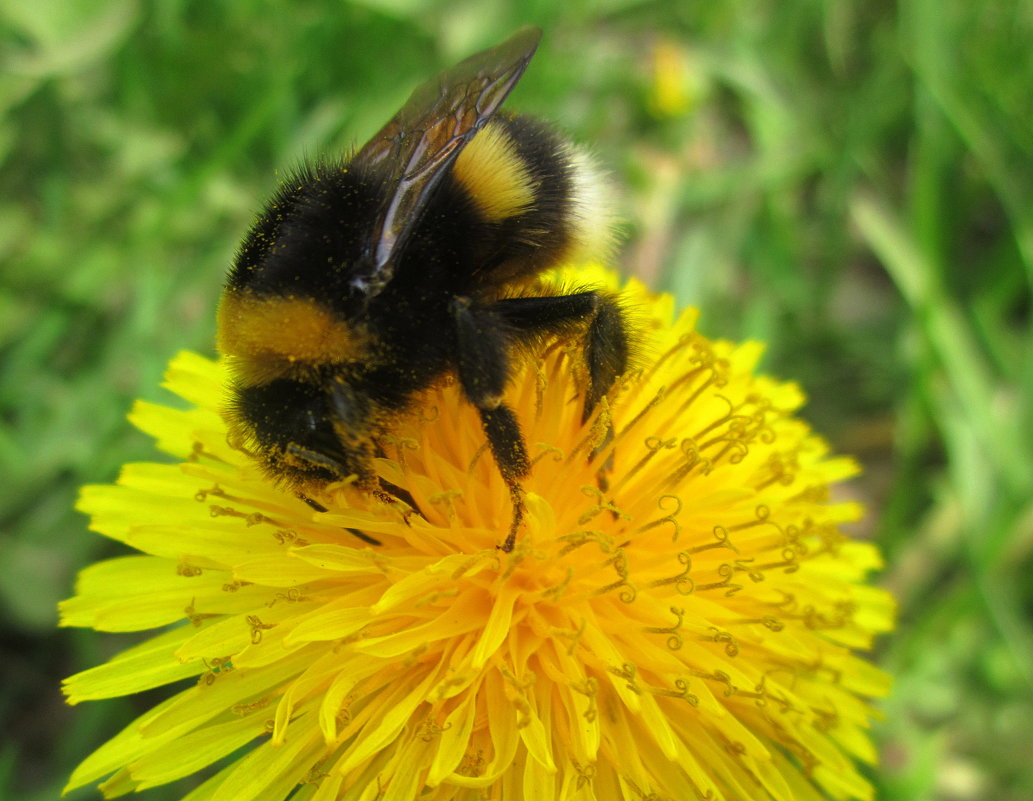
[{"x": 270, "y": 337}]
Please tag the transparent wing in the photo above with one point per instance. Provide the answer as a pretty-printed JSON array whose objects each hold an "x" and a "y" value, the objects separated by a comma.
[{"x": 420, "y": 142}]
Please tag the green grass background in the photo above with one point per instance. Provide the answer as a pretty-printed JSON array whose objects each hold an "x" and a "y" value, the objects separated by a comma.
[{"x": 850, "y": 181}]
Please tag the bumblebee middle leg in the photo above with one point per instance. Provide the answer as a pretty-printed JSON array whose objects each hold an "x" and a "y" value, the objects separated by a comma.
[{"x": 592, "y": 314}]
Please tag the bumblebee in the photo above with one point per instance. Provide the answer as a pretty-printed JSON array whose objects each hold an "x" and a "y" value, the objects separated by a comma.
[{"x": 370, "y": 279}]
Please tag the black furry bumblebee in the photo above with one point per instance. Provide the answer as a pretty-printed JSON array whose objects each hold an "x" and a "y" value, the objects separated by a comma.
[{"x": 367, "y": 280}]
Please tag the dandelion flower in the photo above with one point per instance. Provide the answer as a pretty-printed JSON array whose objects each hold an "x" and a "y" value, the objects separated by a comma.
[{"x": 686, "y": 628}]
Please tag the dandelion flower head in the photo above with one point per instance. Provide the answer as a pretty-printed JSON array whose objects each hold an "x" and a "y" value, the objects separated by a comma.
[{"x": 686, "y": 628}]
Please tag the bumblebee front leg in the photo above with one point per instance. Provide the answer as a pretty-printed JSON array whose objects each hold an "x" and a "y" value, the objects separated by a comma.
[
  {"x": 483, "y": 367},
  {"x": 335, "y": 468}
]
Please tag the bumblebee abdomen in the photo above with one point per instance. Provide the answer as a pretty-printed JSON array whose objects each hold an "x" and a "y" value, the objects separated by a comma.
[{"x": 539, "y": 196}]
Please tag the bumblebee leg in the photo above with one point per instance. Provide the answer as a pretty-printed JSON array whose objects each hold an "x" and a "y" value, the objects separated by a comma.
[
  {"x": 333, "y": 467},
  {"x": 510, "y": 452},
  {"x": 484, "y": 335},
  {"x": 353, "y": 531},
  {"x": 338, "y": 469},
  {"x": 607, "y": 358},
  {"x": 594, "y": 315},
  {"x": 483, "y": 367},
  {"x": 393, "y": 494},
  {"x": 607, "y": 352},
  {"x": 599, "y": 319}
]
